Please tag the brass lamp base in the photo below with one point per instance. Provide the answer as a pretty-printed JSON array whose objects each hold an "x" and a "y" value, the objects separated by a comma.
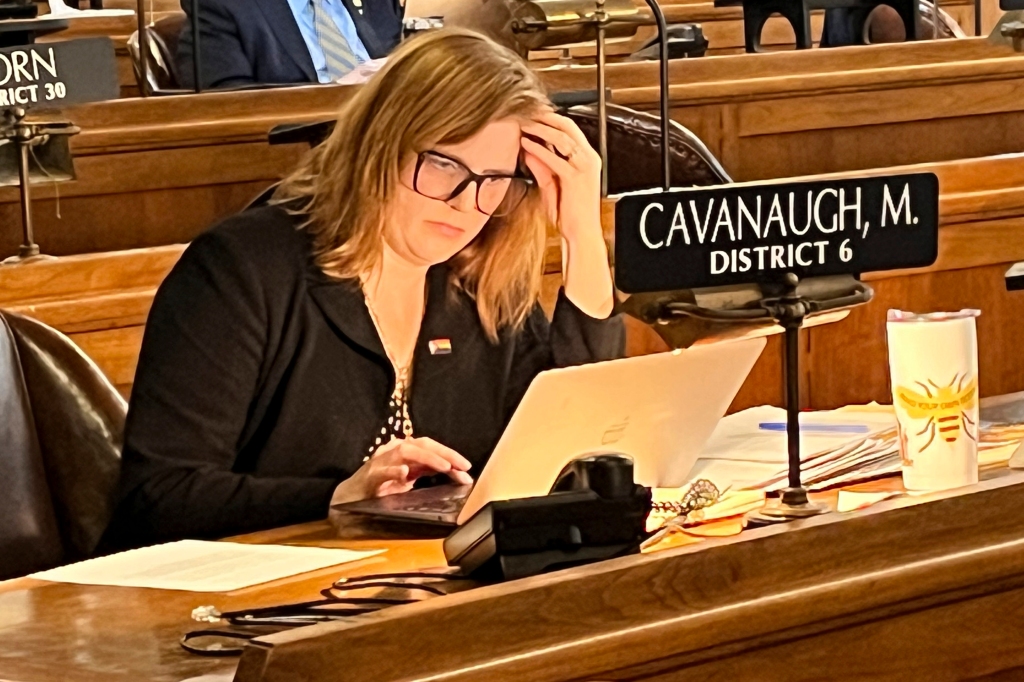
[{"x": 26, "y": 254}]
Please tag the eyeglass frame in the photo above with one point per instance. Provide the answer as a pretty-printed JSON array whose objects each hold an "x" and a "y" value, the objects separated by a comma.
[
  {"x": 471, "y": 176},
  {"x": 250, "y": 623}
]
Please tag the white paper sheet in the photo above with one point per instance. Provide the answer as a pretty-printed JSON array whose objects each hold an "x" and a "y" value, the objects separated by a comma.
[{"x": 198, "y": 566}]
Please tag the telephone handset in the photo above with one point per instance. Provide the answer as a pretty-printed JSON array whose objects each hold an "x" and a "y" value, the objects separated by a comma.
[
  {"x": 608, "y": 475},
  {"x": 594, "y": 511}
]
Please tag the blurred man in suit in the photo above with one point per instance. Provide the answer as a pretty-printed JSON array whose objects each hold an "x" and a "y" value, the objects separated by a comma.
[{"x": 247, "y": 42}]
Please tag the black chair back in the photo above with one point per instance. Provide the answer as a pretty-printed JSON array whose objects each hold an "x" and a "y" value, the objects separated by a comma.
[
  {"x": 634, "y": 150},
  {"x": 161, "y": 71},
  {"x": 62, "y": 445},
  {"x": 29, "y": 538}
]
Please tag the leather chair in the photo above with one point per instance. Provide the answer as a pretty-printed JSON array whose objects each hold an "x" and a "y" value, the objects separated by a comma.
[
  {"x": 634, "y": 150},
  {"x": 60, "y": 448},
  {"x": 883, "y": 25},
  {"x": 161, "y": 72}
]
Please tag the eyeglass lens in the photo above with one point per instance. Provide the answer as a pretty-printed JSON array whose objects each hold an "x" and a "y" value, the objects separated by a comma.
[{"x": 438, "y": 177}]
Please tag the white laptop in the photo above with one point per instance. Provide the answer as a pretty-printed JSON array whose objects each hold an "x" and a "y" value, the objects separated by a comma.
[{"x": 657, "y": 409}]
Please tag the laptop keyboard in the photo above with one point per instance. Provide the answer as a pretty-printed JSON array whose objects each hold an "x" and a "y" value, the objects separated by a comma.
[{"x": 444, "y": 505}]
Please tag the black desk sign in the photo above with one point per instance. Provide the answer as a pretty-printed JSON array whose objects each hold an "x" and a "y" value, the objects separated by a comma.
[
  {"x": 54, "y": 75},
  {"x": 698, "y": 238}
]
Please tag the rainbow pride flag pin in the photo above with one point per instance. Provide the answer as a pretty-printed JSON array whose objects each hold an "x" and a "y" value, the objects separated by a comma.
[{"x": 440, "y": 346}]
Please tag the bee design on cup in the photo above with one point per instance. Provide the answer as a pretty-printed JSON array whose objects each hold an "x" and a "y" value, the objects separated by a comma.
[{"x": 945, "y": 408}]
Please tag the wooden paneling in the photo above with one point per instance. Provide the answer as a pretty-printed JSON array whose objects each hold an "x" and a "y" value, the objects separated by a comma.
[
  {"x": 116, "y": 351},
  {"x": 817, "y": 111},
  {"x": 101, "y": 301},
  {"x": 848, "y": 360},
  {"x": 161, "y": 170},
  {"x": 155, "y": 198}
]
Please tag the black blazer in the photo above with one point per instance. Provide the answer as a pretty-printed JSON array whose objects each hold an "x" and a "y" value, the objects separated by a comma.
[
  {"x": 262, "y": 383},
  {"x": 245, "y": 42}
]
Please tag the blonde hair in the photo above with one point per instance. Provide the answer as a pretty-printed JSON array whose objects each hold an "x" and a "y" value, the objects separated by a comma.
[{"x": 439, "y": 88}]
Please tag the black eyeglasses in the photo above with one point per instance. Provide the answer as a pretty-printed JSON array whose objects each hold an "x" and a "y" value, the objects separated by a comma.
[
  {"x": 441, "y": 177},
  {"x": 337, "y": 603}
]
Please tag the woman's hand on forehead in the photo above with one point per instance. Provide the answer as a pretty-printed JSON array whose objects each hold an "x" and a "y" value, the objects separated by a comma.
[{"x": 568, "y": 173}]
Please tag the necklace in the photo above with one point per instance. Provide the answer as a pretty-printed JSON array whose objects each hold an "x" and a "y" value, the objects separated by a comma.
[{"x": 399, "y": 422}]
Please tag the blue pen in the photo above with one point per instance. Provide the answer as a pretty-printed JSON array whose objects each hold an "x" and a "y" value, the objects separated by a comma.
[{"x": 820, "y": 428}]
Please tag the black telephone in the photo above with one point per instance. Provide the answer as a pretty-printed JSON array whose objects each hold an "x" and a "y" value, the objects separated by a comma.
[{"x": 594, "y": 511}]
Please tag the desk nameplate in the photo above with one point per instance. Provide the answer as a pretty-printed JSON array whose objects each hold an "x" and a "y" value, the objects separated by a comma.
[
  {"x": 54, "y": 75},
  {"x": 756, "y": 233}
]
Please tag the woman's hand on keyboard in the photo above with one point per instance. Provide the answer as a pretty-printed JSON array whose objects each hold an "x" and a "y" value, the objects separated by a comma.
[{"x": 395, "y": 466}]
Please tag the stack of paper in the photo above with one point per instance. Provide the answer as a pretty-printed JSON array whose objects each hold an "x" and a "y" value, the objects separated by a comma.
[
  {"x": 853, "y": 462},
  {"x": 837, "y": 447},
  {"x": 743, "y": 454}
]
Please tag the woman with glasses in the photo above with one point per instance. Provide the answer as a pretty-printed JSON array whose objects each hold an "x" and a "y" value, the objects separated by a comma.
[{"x": 378, "y": 323}]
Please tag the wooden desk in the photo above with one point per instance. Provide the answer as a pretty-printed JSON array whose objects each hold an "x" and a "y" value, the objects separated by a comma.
[
  {"x": 102, "y": 300},
  {"x": 160, "y": 170},
  {"x": 925, "y": 588},
  {"x": 14, "y": 32},
  {"x": 819, "y": 111},
  {"x": 57, "y": 632}
]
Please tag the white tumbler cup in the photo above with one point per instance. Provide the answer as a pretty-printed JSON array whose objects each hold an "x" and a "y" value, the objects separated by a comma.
[{"x": 933, "y": 371}]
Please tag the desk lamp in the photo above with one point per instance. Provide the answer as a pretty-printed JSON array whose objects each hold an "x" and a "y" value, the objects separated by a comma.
[
  {"x": 32, "y": 152},
  {"x": 76, "y": 71},
  {"x": 544, "y": 23}
]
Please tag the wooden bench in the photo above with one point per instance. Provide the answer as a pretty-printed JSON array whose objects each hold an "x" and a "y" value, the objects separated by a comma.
[
  {"x": 723, "y": 27},
  {"x": 160, "y": 170},
  {"x": 102, "y": 299},
  {"x": 818, "y": 111}
]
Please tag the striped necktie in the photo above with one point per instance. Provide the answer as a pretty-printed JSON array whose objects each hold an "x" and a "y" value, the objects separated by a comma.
[{"x": 340, "y": 59}]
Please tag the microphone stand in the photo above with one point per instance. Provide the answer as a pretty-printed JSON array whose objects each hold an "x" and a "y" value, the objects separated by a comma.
[
  {"x": 666, "y": 152},
  {"x": 197, "y": 60},
  {"x": 140, "y": 12},
  {"x": 602, "y": 19}
]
